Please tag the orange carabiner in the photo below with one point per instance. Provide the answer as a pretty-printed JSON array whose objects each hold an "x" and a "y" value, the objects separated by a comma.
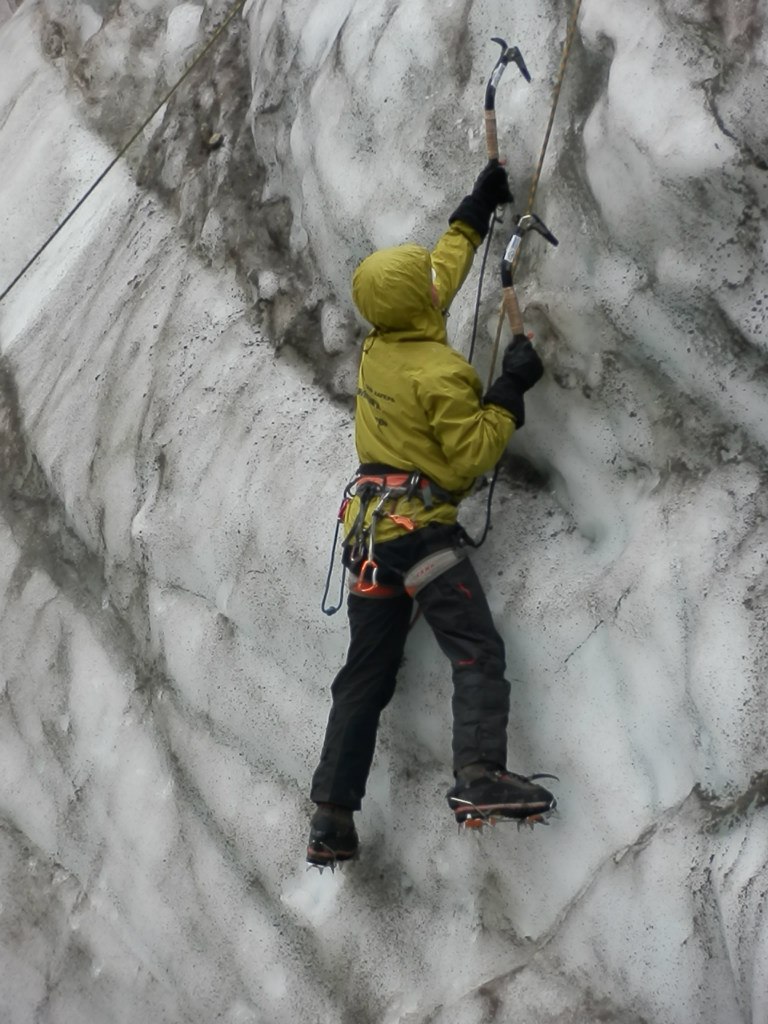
[
  {"x": 363, "y": 586},
  {"x": 342, "y": 510}
]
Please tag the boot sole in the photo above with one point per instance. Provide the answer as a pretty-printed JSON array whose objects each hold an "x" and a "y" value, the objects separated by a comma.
[
  {"x": 516, "y": 811},
  {"x": 324, "y": 856}
]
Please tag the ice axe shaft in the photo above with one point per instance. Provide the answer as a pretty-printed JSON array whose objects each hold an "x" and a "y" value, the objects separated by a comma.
[
  {"x": 508, "y": 53},
  {"x": 512, "y": 309}
]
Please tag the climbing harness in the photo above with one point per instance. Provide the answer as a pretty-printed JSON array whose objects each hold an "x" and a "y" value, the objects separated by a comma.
[
  {"x": 429, "y": 568},
  {"x": 237, "y": 6},
  {"x": 385, "y": 486},
  {"x": 385, "y": 490}
]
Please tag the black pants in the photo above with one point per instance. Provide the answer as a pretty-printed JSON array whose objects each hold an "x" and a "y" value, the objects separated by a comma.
[{"x": 456, "y": 609}]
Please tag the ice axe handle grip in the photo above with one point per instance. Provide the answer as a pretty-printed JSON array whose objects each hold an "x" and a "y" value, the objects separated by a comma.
[
  {"x": 491, "y": 136},
  {"x": 512, "y": 309}
]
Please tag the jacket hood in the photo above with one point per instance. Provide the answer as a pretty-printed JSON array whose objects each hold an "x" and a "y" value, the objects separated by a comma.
[{"x": 392, "y": 290}]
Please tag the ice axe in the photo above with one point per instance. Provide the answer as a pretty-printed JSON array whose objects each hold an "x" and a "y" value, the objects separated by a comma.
[
  {"x": 508, "y": 53},
  {"x": 526, "y": 223}
]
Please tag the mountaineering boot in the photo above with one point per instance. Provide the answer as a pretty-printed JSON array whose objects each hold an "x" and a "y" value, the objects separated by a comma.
[
  {"x": 332, "y": 836},
  {"x": 483, "y": 792}
]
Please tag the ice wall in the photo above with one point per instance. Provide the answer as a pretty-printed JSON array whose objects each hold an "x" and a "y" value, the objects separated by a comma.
[{"x": 175, "y": 428}]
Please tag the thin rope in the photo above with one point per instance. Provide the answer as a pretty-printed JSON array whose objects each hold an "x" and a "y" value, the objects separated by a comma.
[
  {"x": 570, "y": 34},
  {"x": 569, "y": 37},
  {"x": 236, "y": 7},
  {"x": 479, "y": 293}
]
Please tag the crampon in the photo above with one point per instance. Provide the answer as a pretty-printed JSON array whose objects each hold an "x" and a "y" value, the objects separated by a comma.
[
  {"x": 475, "y": 819},
  {"x": 501, "y": 796},
  {"x": 321, "y": 857}
]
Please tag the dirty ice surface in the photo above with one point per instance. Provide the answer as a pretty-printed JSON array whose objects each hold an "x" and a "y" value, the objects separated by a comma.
[{"x": 175, "y": 431}]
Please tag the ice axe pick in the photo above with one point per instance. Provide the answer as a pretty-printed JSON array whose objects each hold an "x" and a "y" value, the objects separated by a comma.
[{"x": 528, "y": 222}]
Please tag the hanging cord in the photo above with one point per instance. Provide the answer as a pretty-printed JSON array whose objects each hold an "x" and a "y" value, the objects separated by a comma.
[
  {"x": 478, "y": 296},
  {"x": 489, "y": 498},
  {"x": 488, "y": 503},
  {"x": 569, "y": 37},
  {"x": 326, "y": 608},
  {"x": 236, "y": 7}
]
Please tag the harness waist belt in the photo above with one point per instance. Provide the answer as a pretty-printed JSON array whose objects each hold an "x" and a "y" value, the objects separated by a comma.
[
  {"x": 391, "y": 481},
  {"x": 399, "y": 482}
]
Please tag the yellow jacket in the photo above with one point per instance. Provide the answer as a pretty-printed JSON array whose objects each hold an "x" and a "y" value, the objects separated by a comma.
[{"x": 419, "y": 402}]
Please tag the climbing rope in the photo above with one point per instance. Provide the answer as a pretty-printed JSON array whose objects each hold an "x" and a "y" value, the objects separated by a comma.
[
  {"x": 234, "y": 10},
  {"x": 571, "y": 32},
  {"x": 567, "y": 44}
]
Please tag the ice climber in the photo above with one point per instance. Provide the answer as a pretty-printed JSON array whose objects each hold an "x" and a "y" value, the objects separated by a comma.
[{"x": 423, "y": 432}]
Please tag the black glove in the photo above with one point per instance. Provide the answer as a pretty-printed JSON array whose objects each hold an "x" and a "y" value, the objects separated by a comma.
[
  {"x": 521, "y": 363},
  {"x": 521, "y": 368},
  {"x": 490, "y": 190},
  {"x": 492, "y": 185}
]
